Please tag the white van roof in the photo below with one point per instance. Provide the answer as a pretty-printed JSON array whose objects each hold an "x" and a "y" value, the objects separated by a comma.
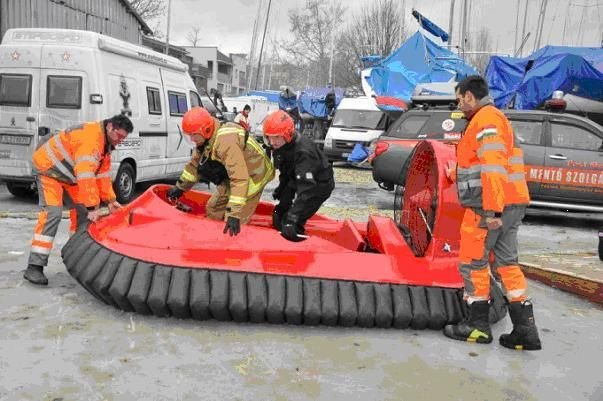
[
  {"x": 73, "y": 37},
  {"x": 358, "y": 103}
]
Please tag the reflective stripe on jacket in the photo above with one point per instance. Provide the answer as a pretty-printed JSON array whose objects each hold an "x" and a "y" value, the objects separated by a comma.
[
  {"x": 81, "y": 156},
  {"x": 517, "y": 187},
  {"x": 483, "y": 155}
]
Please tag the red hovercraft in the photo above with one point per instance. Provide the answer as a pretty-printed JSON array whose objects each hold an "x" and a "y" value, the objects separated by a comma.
[{"x": 154, "y": 258}]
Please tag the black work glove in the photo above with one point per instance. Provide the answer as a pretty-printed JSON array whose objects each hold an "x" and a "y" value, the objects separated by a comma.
[
  {"x": 276, "y": 194},
  {"x": 174, "y": 194},
  {"x": 277, "y": 219},
  {"x": 233, "y": 226}
]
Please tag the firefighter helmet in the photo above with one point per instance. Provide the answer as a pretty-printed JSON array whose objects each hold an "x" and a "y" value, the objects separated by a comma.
[
  {"x": 198, "y": 121},
  {"x": 279, "y": 123}
]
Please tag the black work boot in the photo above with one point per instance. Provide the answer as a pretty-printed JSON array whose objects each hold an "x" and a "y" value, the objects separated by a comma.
[
  {"x": 475, "y": 328},
  {"x": 525, "y": 334},
  {"x": 35, "y": 274}
]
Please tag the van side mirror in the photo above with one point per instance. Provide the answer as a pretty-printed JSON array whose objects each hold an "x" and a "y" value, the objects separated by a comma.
[{"x": 43, "y": 131}]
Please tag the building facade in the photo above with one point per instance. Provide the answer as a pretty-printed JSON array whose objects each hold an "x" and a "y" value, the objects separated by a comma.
[
  {"x": 239, "y": 74},
  {"x": 227, "y": 73},
  {"x": 115, "y": 18}
]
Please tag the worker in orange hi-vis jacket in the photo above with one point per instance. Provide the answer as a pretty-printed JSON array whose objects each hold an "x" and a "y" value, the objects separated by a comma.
[
  {"x": 491, "y": 186},
  {"x": 73, "y": 166}
]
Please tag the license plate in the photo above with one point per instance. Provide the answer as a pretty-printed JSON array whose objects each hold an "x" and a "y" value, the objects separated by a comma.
[
  {"x": 6, "y": 139},
  {"x": 345, "y": 154}
]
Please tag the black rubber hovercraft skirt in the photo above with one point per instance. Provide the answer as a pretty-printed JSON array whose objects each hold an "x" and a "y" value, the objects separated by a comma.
[{"x": 162, "y": 290}]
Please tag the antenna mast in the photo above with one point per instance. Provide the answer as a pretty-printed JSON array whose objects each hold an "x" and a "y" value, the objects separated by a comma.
[{"x": 257, "y": 76}]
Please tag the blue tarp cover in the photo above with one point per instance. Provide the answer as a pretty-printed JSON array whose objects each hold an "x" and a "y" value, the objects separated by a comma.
[
  {"x": 369, "y": 61},
  {"x": 418, "y": 60},
  {"x": 429, "y": 26},
  {"x": 573, "y": 70},
  {"x": 271, "y": 96},
  {"x": 312, "y": 101}
]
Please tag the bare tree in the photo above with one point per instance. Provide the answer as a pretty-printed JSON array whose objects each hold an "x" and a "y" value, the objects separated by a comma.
[
  {"x": 194, "y": 36},
  {"x": 149, "y": 9},
  {"x": 376, "y": 30},
  {"x": 483, "y": 50},
  {"x": 312, "y": 28},
  {"x": 157, "y": 31}
]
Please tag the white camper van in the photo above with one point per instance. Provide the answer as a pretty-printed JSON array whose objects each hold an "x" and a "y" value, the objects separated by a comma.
[
  {"x": 357, "y": 120},
  {"x": 51, "y": 79}
]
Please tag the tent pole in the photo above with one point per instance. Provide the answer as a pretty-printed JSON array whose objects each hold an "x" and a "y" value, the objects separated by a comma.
[{"x": 451, "y": 23}]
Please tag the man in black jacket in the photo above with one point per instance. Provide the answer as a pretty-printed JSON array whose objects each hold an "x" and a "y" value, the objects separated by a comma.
[{"x": 305, "y": 180}]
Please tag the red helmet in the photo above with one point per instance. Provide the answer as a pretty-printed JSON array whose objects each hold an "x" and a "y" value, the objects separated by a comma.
[
  {"x": 279, "y": 123},
  {"x": 198, "y": 121}
]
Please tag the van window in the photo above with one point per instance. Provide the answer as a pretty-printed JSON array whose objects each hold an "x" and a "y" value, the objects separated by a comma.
[
  {"x": 528, "y": 132},
  {"x": 209, "y": 106},
  {"x": 15, "y": 90},
  {"x": 64, "y": 92},
  {"x": 154, "y": 100},
  {"x": 195, "y": 100},
  {"x": 365, "y": 119},
  {"x": 572, "y": 137},
  {"x": 408, "y": 128},
  {"x": 444, "y": 125},
  {"x": 178, "y": 105}
]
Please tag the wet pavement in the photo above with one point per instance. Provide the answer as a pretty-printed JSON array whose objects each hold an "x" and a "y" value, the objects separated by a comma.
[{"x": 60, "y": 343}]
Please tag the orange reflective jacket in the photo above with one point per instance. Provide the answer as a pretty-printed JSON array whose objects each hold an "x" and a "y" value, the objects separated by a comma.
[
  {"x": 517, "y": 187},
  {"x": 80, "y": 155},
  {"x": 490, "y": 172}
]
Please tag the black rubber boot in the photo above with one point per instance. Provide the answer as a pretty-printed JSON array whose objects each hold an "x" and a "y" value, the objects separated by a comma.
[
  {"x": 35, "y": 274},
  {"x": 525, "y": 334},
  {"x": 475, "y": 328}
]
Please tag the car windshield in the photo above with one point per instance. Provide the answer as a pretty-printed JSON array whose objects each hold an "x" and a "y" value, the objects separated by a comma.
[{"x": 366, "y": 119}]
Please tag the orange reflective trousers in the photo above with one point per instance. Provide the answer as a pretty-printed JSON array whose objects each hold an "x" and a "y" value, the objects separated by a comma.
[
  {"x": 478, "y": 244},
  {"x": 52, "y": 195}
]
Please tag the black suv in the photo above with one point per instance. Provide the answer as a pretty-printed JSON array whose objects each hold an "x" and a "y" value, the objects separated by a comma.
[{"x": 563, "y": 153}]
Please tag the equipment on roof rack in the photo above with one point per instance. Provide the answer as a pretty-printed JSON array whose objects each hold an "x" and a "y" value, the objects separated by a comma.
[{"x": 556, "y": 103}]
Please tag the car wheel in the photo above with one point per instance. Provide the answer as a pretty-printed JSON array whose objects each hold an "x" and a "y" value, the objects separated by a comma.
[
  {"x": 125, "y": 183},
  {"x": 21, "y": 190}
]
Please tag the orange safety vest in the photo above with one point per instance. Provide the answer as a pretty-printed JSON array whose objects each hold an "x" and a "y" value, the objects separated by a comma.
[
  {"x": 80, "y": 155},
  {"x": 490, "y": 169}
]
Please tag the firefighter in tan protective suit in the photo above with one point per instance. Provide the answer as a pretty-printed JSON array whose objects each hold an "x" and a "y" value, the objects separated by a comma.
[
  {"x": 229, "y": 158},
  {"x": 73, "y": 166},
  {"x": 491, "y": 185}
]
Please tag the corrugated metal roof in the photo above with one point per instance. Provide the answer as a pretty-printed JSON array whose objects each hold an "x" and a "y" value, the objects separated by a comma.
[{"x": 145, "y": 28}]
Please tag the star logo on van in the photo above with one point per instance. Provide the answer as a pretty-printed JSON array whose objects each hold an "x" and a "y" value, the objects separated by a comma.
[
  {"x": 15, "y": 55},
  {"x": 66, "y": 56}
]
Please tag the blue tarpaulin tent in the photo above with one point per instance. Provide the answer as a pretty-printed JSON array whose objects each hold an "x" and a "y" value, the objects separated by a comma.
[
  {"x": 418, "y": 60},
  {"x": 312, "y": 101},
  {"x": 529, "y": 81}
]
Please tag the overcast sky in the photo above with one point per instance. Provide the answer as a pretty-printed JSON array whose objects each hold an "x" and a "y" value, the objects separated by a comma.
[{"x": 228, "y": 24}]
